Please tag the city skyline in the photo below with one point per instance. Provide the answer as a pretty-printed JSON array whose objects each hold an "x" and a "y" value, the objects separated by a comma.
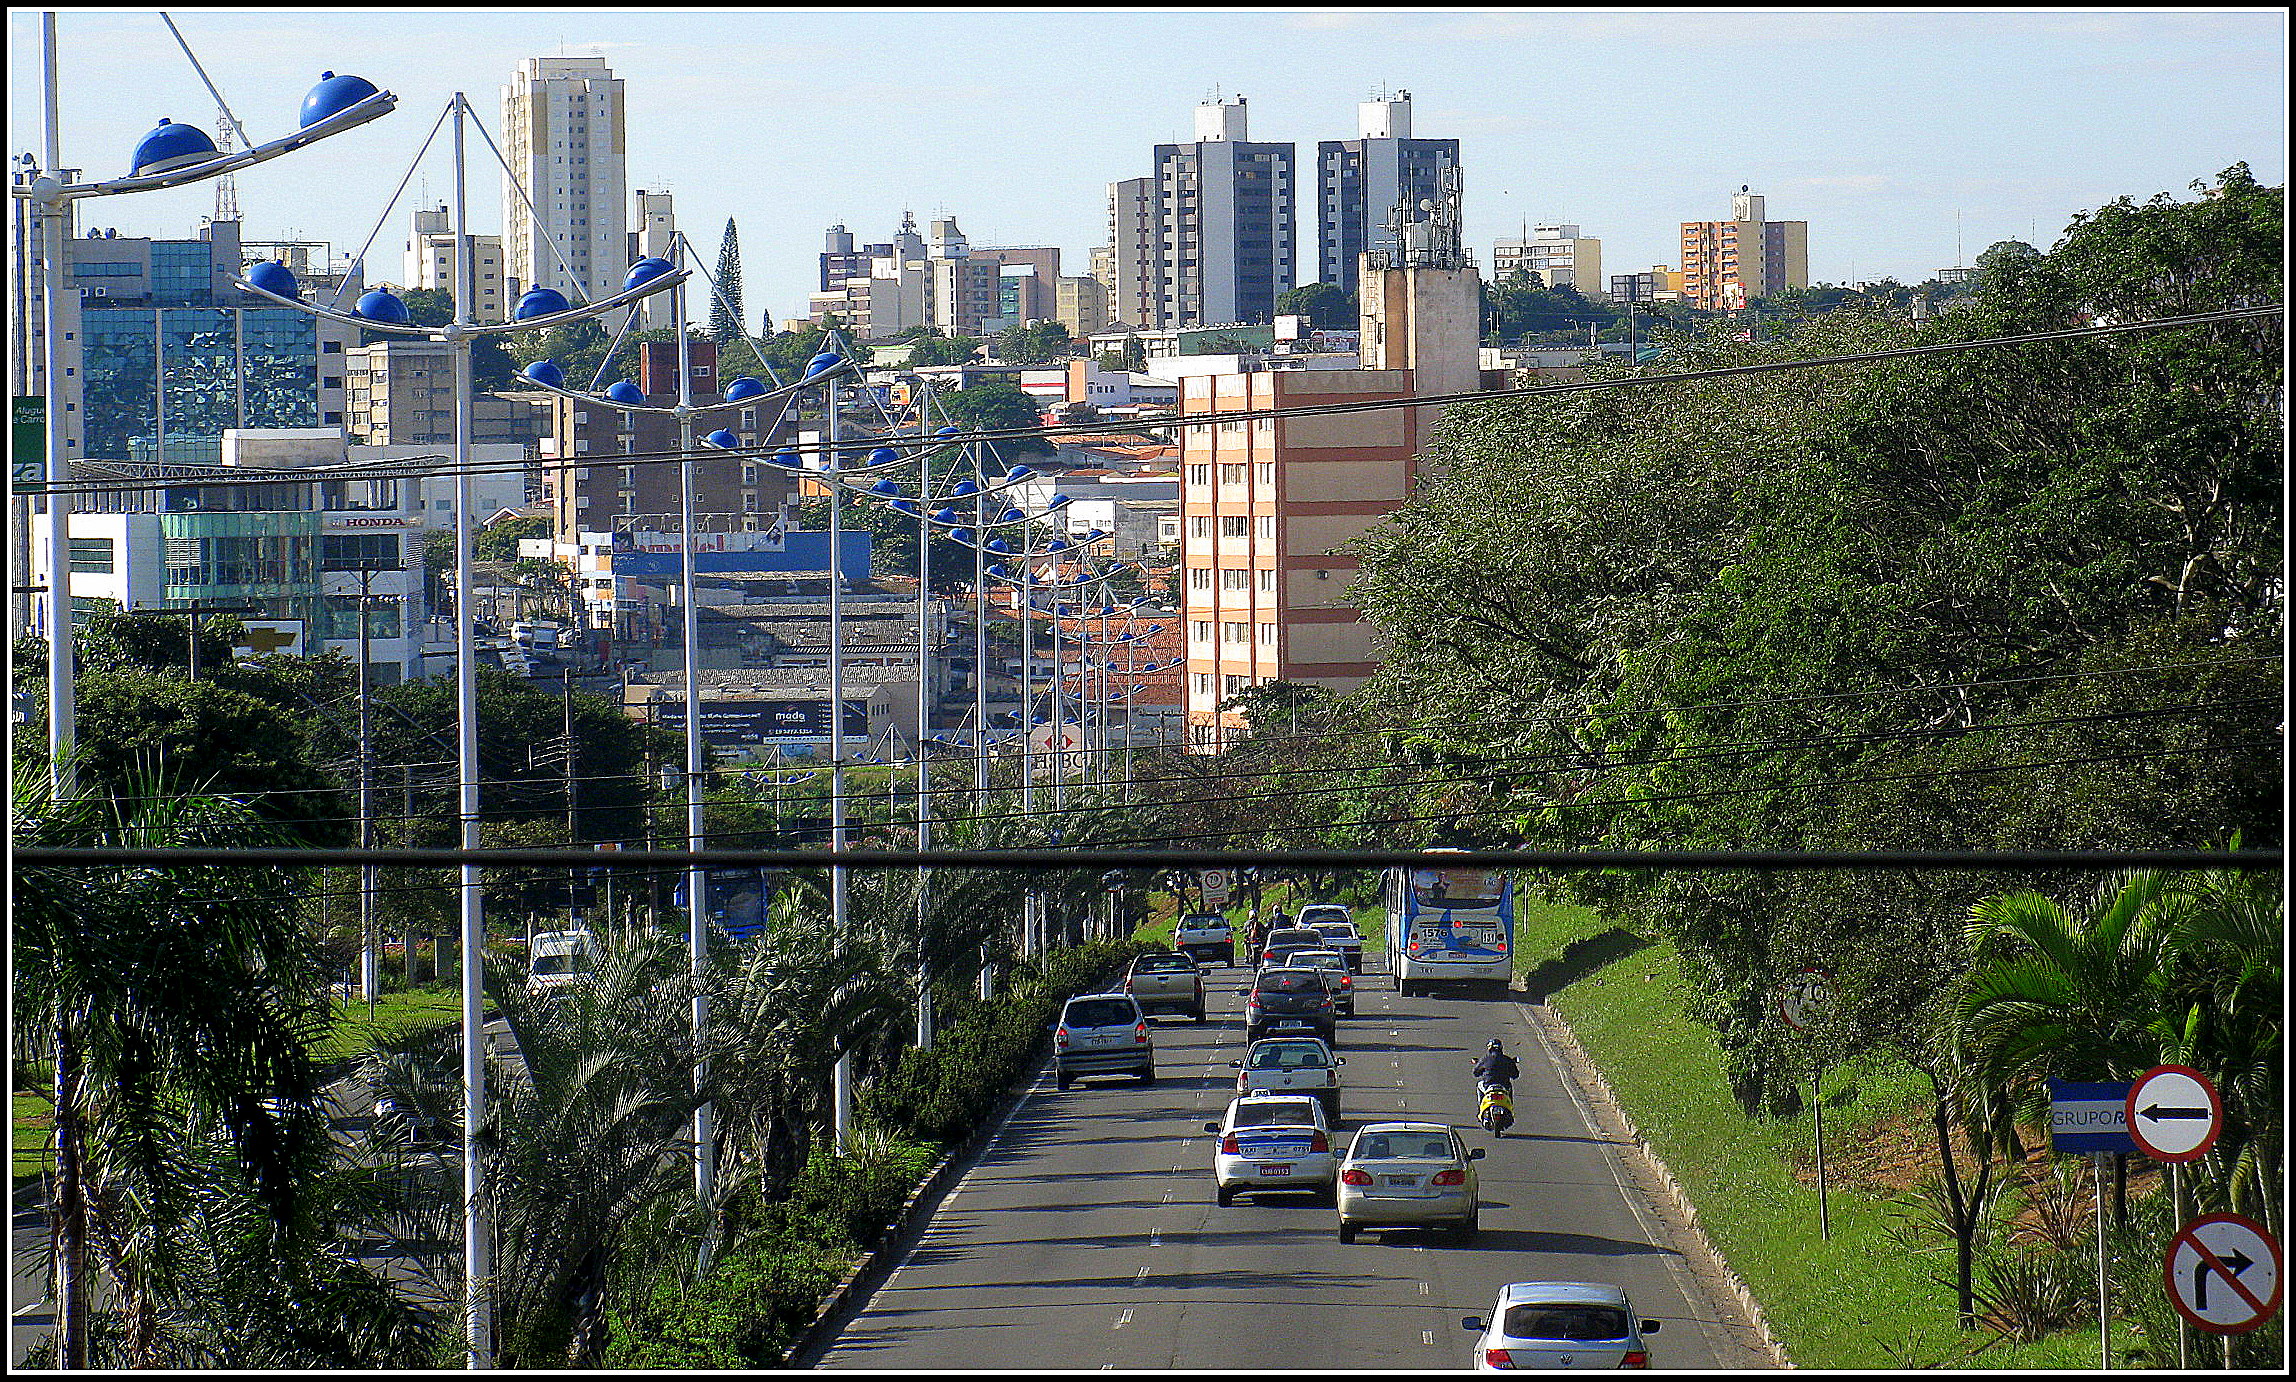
[{"x": 1878, "y": 130}]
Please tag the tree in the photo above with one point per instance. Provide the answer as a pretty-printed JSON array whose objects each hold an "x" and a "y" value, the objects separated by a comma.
[
  {"x": 1525, "y": 309},
  {"x": 1327, "y": 306},
  {"x": 176, "y": 1008},
  {"x": 499, "y": 542},
  {"x": 428, "y": 306},
  {"x": 725, "y": 306},
  {"x": 1078, "y": 414},
  {"x": 936, "y": 349},
  {"x": 1033, "y": 344},
  {"x": 996, "y": 406}
]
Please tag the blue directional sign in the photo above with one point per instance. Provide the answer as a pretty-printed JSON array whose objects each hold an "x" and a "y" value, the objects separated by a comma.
[{"x": 2089, "y": 1117}]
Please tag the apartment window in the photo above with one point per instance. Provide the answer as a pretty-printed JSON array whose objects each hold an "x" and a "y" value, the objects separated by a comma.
[
  {"x": 1233, "y": 632},
  {"x": 1203, "y": 683},
  {"x": 1199, "y": 525},
  {"x": 1200, "y": 630},
  {"x": 1235, "y": 578},
  {"x": 1232, "y": 474},
  {"x": 1267, "y": 472},
  {"x": 1267, "y": 581},
  {"x": 1267, "y": 526},
  {"x": 1233, "y": 683},
  {"x": 1233, "y": 525},
  {"x": 1199, "y": 578},
  {"x": 1267, "y": 635},
  {"x": 1199, "y": 474},
  {"x": 92, "y": 555}
]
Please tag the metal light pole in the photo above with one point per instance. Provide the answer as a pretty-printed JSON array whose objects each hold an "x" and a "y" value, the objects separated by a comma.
[
  {"x": 925, "y": 700},
  {"x": 841, "y": 1075},
  {"x": 61, "y": 709}
]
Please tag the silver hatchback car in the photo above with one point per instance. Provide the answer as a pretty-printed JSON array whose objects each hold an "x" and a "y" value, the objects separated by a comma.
[
  {"x": 1560, "y": 1324},
  {"x": 1409, "y": 1175}
]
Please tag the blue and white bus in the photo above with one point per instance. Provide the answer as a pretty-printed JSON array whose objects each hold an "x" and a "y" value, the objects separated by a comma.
[{"x": 1449, "y": 927}]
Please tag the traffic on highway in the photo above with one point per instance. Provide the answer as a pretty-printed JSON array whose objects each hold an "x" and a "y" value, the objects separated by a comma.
[{"x": 1287, "y": 1182}]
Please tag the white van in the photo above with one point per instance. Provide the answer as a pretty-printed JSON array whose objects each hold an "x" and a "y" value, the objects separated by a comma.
[{"x": 559, "y": 959}]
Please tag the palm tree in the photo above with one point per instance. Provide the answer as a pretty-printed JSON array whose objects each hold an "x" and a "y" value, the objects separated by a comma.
[
  {"x": 2224, "y": 931},
  {"x": 176, "y": 1007}
]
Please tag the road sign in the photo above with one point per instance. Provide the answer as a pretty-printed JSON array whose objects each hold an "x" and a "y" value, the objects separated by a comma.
[
  {"x": 2174, "y": 1113},
  {"x": 2223, "y": 1273},
  {"x": 1216, "y": 883},
  {"x": 1804, "y": 998},
  {"x": 2089, "y": 1116}
]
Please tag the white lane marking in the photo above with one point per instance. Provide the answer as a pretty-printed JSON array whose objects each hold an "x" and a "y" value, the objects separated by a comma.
[
  {"x": 1122, "y": 1320},
  {"x": 1427, "y": 1337},
  {"x": 1140, "y": 1278},
  {"x": 1423, "y": 1288},
  {"x": 1156, "y": 1239},
  {"x": 1167, "y": 1197}
]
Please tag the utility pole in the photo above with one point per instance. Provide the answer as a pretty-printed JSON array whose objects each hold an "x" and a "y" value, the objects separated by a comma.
[{"x": 369, "y": 962}]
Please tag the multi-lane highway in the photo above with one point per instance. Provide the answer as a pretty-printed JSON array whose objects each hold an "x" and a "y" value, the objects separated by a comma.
[{"x": 1087, "y": 1236}]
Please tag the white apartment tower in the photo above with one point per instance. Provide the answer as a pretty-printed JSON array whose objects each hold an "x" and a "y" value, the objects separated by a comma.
[
  {"x": 562, "y": 132},
  {"x": 430, "y": 263},
  {"x": 1225, "y": 210},
  {"x": 1359, "y": 182},
  {"x": 656, "y": 227}
]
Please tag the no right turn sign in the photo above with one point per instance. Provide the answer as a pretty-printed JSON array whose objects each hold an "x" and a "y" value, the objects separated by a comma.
[{"x": 2223, "y": 1273}]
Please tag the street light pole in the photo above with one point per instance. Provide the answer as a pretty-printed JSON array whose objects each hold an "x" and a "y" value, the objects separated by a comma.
[
  {"x": 61, "y": 708},
  {"x": 841, "y": 1075},
  {"x": 697, "y": 877}
]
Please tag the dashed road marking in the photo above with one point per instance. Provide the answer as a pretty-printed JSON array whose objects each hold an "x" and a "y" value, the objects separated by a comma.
[
  {"x": 1423, "y": 1288},
  {"x": 1126, "y": 1318},
  {"x": 1143, "y": 1276},
  {"x": 1427, "y": 1337},
  {"x": 1168, "y": 1197}
]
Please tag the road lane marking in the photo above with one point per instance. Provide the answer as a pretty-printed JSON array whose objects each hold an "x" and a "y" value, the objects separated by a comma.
[
  {"x": 1122, "y": 1320},
  {"x": 1427, "y": 1337},
  {"x": 1140, "y": 1278},
  {"x": 1422, "y": 1288},
  {"x": 1156, "y": 1239},
  {"x": 1168, "y": 1197}
]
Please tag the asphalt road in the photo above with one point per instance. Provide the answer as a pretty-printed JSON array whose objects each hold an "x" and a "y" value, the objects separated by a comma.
[{"x": 1087, "y": 1236}]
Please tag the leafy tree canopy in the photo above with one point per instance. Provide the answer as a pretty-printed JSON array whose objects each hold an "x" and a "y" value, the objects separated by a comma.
[
  {"x": 1327, "y": 306},
  {"x": 997, "y": 406}
]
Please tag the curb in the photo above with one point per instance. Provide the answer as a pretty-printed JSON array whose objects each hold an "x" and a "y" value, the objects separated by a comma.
[
  {"x": 1584, "y": 1070},
  {"x": 924, "y": 1201}
]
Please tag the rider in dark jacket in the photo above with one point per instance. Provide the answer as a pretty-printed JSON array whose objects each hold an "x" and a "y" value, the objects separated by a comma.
[{"x": 1497, "y": 1067}]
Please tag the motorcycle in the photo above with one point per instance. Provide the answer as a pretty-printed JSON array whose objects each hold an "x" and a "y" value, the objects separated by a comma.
[{"x": 1496, "y": 1109}]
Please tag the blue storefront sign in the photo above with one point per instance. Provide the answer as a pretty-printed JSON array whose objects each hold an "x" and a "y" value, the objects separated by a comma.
[{"x": 2089, "y": 1117}]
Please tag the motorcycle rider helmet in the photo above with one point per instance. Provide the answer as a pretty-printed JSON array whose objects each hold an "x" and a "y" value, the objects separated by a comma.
[{"x": 1494, "y": 1046}]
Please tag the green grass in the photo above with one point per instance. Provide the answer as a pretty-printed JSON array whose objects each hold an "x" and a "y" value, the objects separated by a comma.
[
  {"x": 1543, "y": 928},
  {"x": 29, "y": 1120},
  {"x": 395, "y": 1015},
  {"x": 1857, "y": 1301}
]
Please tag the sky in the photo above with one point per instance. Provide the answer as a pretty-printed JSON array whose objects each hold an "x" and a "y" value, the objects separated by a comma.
[{"x": 1890, "y": 133}]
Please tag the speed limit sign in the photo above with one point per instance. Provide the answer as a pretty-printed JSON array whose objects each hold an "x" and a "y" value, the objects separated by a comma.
[{"x": 1804, "y": 997}]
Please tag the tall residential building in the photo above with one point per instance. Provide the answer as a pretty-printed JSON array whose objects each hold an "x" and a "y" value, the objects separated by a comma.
[
  {"x": 1225, "y": 211},
  {"x": 656, "y": 226},
  {"x": 1131, "y": 271},
  {"x": 1557, "y": 256},
  {"x": 1081, "y": 305},
  {"x": 430, "y": 263},
  {"x": 1360, "y": 181},
  {"x": 1266, "y": 504},
  {"x": 563, "y": 136},
  {"x": 1727, "y": 263}
]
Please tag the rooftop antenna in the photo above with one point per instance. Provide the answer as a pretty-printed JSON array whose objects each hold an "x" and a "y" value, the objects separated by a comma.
[
  {"x": 1958, "y": 261},
  {"x": 226, "y": 188}
]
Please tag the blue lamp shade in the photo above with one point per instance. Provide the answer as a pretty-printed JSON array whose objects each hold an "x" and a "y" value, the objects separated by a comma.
[
  {"x": 274, "y": 277},
  {"x": 1057, "y": 545},
  {"x": 539, "y": 302},
  {"x": 645, "y": 270},
  {"x": 382, "y": 305},
  {"x": 334, "y": 95},
  {"x": 885, "y": 487},
  {"x": 1060, "y": 609},
  {"x": 1058, "y": 501},
  {"x": 170, "y": 147},
  {"x": 965, "y": 487},
  {"x": 964, "y": 538},
  {"x": 1094, "y": 536},
  {"x": 944, "y": 515},
  {"x": 906, "y": 506},
  {"x": 825, "y": 361},
  {"x": 788, "y": 459},
  {"x": 743, "y": 389},
  {"x": 723, "y": 440},
  {"x": 547, "y": 374},
  {"x": 946, "y": 432},
  {"x": 1018, "y": 472},
  {"x": 624, "y": 392},
  {"x": 1000, "y": 546},
  {"x": 883, "y": 455},
  {"x": 1012, "y": 516}
]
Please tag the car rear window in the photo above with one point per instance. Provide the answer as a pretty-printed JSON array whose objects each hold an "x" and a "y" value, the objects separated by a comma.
[
  {"x": 1335, "y": 929},
  {"x": 1288, "y": 1056},
  {"x": 1276, "y": 981},
  {"x": 1383, "y": 1146},
  {"x": 1100, "y": 1012},
  {"x": 1162, "y": 964},
  {"x": 1578, "y": 1324},
  {"x": 1294, "y": 935},
  {"x": 1290, "y": 1113}
]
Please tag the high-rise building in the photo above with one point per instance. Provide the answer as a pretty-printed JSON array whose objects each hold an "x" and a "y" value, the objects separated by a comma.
[
  {"x": 1725, "y": 264},
  {"x": 1134, "y": 253},
  {"x": 430, "y": 264},
  {"x": 563, "y": 136},
  {"x": 1081, "y": 305},
  {"x": 1225, "y": 210},
  {"x": 656, "y": 228},
  {"x": 1267, "y": 504},
  {"x": 1360, "y": 181},
  {"x": 1555, "y": 256}
]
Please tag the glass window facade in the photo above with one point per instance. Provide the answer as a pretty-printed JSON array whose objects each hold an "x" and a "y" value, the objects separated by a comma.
[
  {"x": 182, "y": 272},
  {"x": 200, "y": 349}
]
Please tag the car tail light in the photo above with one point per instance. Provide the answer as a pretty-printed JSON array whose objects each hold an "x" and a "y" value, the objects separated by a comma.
[
  {"x": 1228, "y": 1146},
  {"x": 1060, "y": 1040},
  {"x": 1451, "y": 1177},
  {"x": 1498, "y": 1358},
  {"x": 1635, "y": 1358},
  {"x": 1354, "y": 1177},
  {"x": 1319, "y": 1143},
  {"x": 1140, "y": 1032}
]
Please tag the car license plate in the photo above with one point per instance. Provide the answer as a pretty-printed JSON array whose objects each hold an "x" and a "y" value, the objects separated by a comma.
[
  {"x": 1267, "y": 1170},
  {"x": 1291, "y": 1022},
  {"x": 1399, "y": 1182}
]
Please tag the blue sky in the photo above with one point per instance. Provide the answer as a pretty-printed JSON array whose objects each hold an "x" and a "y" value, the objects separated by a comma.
[{"x": 1876, "y": 128}]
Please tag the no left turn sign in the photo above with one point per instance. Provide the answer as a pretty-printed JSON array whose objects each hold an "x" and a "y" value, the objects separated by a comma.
[
  {"x": 2174, "y": 1113},
  {"x": 2223, "y": 1273}
]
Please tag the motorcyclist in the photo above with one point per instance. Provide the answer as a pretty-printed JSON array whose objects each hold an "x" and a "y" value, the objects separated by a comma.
[{"x": 1497, "y": 1067}]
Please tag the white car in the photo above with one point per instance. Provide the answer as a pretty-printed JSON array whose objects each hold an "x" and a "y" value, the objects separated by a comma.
[
  {"x": 1291, "y": 1065},
  {"x": 1273, "y": 1142},
  {"x": 1560, "y": 1324},
  {"x": 1409, "y": 1175}
]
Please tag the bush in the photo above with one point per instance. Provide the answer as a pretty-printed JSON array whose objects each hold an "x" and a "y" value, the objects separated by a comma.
[
  {"x": 746, "y": 1313},
  {"x": 2026, "y": 1292}
]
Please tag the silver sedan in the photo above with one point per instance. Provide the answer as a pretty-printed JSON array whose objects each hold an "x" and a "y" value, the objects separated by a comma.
[{"x": 1408, "y": 1175}]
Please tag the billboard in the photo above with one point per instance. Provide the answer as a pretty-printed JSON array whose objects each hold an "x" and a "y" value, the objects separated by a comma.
[{"x": 763, "y": 721}]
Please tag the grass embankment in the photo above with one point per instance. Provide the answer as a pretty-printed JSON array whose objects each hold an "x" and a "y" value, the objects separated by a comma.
[{"x": 1860, "y": 1300}]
